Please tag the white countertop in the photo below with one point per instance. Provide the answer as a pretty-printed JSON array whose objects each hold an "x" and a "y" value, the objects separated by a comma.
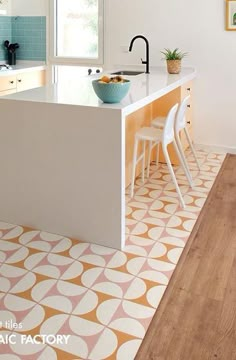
[
  {"x": 25, "y": 66},
  {"x": 78, "y": 91}
]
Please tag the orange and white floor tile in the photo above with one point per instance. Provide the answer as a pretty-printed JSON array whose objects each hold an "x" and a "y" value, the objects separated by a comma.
[{"x": 64, "y": 299}]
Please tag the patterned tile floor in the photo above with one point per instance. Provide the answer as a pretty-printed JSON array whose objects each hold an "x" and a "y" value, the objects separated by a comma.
[{"x": 103, "y": 298}]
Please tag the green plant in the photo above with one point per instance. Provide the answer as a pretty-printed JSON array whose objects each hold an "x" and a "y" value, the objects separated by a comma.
[{"x": 174, "y": 54}]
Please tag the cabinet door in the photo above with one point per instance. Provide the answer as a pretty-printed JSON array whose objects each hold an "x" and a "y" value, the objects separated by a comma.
[
  {"x": 186, "y": 90},
  {"x": 7, "y": 83},
  {"x": 30, "y": 80}
]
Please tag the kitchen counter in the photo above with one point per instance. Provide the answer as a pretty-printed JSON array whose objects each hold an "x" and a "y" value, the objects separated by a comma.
[
  {"x": 63, "y": 155},
  {"x": 16, "y": 69},
  {"x": 144, "y": 89}
]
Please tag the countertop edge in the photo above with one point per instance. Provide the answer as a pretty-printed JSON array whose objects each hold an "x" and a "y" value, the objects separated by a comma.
[
  {"x": 150, "y": 98},
  {"x": 22, "y": 68}
]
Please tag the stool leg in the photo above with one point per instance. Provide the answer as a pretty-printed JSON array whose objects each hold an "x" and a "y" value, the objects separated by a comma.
[
  {"x": 149, "y": 157},
  {"x": 157, "y": 154},
  {"x": 191, "y": 146},
  {"x": 180, "y": 153},
  {"x": 134, "y": 167},
  {"x": 143, "y": 162},
  {"x": 165, "y": 152}
]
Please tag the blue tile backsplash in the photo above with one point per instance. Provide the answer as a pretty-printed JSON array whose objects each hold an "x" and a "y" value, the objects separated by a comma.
[
  {"x": 29, "y": 32},
  {"x": 5, "y": 34}
]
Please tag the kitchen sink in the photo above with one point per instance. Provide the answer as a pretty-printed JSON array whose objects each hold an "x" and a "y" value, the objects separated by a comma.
[{"x": 127, "y": 72}]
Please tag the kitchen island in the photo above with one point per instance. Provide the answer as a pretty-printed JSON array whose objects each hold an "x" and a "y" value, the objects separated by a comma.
[{"x": 65, "y": 156}]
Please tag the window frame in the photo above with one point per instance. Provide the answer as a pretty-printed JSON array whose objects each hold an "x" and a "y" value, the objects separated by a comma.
[{"x": 53, "y": 58}]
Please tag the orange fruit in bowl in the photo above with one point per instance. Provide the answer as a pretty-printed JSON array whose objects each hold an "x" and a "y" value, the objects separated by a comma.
[{"x": 105, "y": 79}]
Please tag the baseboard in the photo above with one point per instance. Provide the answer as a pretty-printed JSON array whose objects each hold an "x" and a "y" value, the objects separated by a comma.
[{"x": 216, "y": 148}]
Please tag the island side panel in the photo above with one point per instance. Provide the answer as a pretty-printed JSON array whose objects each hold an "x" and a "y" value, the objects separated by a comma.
[{"x": 61, "y": 170}]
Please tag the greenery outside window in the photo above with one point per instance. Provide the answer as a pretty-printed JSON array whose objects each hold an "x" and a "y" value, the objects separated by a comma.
[{"x": 77, "y": 31}]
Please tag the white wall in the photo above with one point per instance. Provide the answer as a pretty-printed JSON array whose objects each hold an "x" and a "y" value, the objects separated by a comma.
[
  {"x": 196, "y": 27},
  {"x": 29, "y": 7}
]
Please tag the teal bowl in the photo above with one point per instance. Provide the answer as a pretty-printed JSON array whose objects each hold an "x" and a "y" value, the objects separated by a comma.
[{"x": 111, "y": 92}]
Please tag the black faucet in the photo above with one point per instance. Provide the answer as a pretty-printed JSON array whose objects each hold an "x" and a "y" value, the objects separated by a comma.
[{"x": 147, "y": 50}]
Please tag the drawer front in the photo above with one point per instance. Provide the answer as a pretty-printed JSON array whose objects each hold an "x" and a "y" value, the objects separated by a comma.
[
  {"x": 189, "y": 114},
  {"x": 7, "y": 83},
  {"x": 187, "y": 89},
  {"x": 30, "y": 80}
]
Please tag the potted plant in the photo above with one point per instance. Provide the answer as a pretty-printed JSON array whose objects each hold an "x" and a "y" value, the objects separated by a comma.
[{"x": 173, "y": 60}]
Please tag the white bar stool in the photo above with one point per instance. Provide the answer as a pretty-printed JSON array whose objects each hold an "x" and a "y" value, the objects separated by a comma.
[
  {"x": 180, "y": 124},
  {"x": 156, "y": 137}
]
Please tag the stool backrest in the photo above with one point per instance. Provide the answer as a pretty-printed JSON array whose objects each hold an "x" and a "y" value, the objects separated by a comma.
[
  {"x": 180, "y": 121},
  {"x": 168, "y": 131}
]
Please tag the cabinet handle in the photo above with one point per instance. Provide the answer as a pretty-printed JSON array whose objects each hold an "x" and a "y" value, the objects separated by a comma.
[
  {"x": 188, "y": 89},
  {"x": 188, "y": 106},
  {"x": 12, "y": 82},
  {"x": 188, "y": 122},
  {"x": 19, "y": 80}
]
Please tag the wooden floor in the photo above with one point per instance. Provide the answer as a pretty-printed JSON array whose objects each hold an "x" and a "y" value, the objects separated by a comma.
[{"x": 196, "y": 319}]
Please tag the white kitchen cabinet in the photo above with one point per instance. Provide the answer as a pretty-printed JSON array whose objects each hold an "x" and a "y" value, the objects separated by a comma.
[
  {"x": 7, "y": 83},
  {"x": 30, "y": 80},
  {"x": 21, "y": 81}
]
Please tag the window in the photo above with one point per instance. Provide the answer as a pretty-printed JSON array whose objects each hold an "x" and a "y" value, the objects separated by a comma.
[{"x": 77, "y": 28}]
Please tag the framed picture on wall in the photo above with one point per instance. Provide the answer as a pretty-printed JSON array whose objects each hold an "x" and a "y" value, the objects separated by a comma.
[{"x": 231, "y": 15}]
